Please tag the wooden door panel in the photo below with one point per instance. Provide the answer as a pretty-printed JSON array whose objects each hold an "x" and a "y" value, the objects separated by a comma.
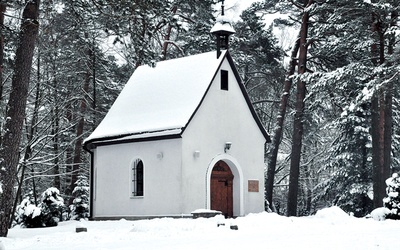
[{"x": 221, "y": 189}]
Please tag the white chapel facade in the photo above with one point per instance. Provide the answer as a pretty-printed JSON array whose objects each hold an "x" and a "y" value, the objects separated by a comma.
[{"x": 181, "y": 136}]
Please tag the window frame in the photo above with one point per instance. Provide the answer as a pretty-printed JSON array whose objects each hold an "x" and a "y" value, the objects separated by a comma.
[
  {"x": 137, "y": 179},
  {"x": 224, "y": 80}
]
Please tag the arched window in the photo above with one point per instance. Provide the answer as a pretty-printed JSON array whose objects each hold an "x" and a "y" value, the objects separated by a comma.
[{"x": 137, "y": 178}]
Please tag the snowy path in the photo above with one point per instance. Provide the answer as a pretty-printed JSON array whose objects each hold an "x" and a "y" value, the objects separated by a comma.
[{"x": 328, "y": 230}]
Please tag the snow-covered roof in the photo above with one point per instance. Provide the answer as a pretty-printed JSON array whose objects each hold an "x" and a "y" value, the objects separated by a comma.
[
  {"x": 223, "y": 23},
  {"x": 161, "y": 100}
]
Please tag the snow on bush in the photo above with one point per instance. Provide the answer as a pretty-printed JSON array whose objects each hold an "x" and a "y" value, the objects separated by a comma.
[
  {"x": 48, "y": 213},
  {"x": 379, "y": 213},
  {"x": 28, "y": 214},
  {"x": 392, "y": 201},
  {"x": 333, "y": 212},
  {"x": 52, "y": 206}
]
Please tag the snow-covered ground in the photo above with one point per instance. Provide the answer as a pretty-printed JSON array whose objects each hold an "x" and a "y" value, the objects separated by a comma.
[{"x": 330, "y": 228}]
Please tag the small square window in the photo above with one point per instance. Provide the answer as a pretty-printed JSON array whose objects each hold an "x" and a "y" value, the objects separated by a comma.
[{"x": 224, "y": 80}]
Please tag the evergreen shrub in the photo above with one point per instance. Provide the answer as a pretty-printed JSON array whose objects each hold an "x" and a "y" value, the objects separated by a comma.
[
  {"x": 392, "y": 201},
  {"x": 47, "y": 214},
  {"x": 80, "y": 205}
]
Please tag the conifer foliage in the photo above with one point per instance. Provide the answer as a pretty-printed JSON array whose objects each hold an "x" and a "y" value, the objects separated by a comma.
[
  {"x": 80, "y": 205},
  {"x": 392, "y": 201},
  {"x": 47, "y": 214}
]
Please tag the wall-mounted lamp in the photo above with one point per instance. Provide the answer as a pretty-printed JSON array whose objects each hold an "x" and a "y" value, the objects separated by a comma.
[
  {"x": 228, "y": 145},
  {"x": 160, "y": 155},
  {"x": 196, "y": 154}
]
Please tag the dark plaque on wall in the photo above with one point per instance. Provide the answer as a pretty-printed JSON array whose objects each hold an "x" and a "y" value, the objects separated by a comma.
[{"x": 253, "y": 186}]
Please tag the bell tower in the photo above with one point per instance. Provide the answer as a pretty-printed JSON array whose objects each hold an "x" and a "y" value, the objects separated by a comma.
[{"x": 222, "y": 30}]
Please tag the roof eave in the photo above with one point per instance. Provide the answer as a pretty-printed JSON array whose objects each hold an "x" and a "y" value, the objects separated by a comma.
[{"x": 132, "y": 137}]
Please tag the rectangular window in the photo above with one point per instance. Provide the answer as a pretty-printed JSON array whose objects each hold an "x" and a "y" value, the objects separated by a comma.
[
  {"x": 224, "y": 79},
  {"x": 137, "y": 178}
]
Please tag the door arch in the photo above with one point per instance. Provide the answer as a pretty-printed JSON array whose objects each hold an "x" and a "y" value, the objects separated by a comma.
[
  {"x": 238, "y": 186},
  {"x": 221, "y": 188}
]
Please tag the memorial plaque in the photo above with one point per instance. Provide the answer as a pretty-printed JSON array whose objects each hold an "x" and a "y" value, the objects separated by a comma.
[{"x": 253, "y": 186}]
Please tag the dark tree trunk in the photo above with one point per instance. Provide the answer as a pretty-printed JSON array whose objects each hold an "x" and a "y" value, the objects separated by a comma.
[
  {"x": 381, "y": 118},
  {"x": 380, "y": 171},
  {"x": 55, "y": 133},
  {"x": 3, "y": 8},
  {"x": 94, "y": 103},
  {"x": 298, "y": 118},
  {"x": 31, "y": 131},
  {"x": 79, "y": 129},
  {"x": 69, "y": 153},
  {"x": 277, "y": 137},
  {"x": 9, "y": 152},
  {"x": 55, "y": 129}
]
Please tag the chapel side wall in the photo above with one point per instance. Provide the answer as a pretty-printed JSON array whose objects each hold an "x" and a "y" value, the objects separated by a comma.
[
  {"x": 162, "y": 189},
  {"x": 223, "y": 117}
]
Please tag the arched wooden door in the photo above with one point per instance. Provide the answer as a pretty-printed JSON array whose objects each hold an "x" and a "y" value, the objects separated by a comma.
[{"x": 221, "y": 189}]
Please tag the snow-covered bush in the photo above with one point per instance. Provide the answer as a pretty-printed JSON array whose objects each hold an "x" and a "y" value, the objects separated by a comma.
[
  {"x": 379, "y": 213},
  {"x": 80, "y": 205},
  {"x": 28, "y": 214},
  {"x": 52, "y": 206},
  {"x": 392, "y": 201},
  {"x": 356, "y": 201},
  {"x": 47, "y": 214}
]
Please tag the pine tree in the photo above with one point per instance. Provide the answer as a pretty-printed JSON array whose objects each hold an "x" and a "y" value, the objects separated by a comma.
[
  {"x": 80, "y": 206},
  {"x": 354, "y": 87}
]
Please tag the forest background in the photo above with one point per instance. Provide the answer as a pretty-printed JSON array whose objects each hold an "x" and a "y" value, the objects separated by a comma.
[{"x": 323, "y": 81}]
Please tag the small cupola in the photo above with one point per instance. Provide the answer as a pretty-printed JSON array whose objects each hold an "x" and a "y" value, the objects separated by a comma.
[{"x": 222, "y": 30}]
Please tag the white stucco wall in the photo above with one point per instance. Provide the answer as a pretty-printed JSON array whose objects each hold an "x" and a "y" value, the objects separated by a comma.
[
  {"x": 223, "y": 117},
  {"x": 162, "y": 188}
]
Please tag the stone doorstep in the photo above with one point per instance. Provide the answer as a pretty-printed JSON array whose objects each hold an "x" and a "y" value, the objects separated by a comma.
[{"x": 206, "y": 214}]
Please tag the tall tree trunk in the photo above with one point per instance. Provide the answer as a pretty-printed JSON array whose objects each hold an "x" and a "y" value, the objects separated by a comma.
[
  {"x": 298, "y": 117},
  {"x": 80, "y": 126},
  {"x": 55, "y": 125},
  {"x": 94, "y": 79},
  {"x": 389, "y": 97},
  {"x": 69, "y": 153},
  {"x": 9, "y": 152},
  {"x": 378, "y": 147},
  {"x": 31, "y": 130},
  {"x": 55, "y": 133},
  {"x": 381, "y": 118},
  {"x": 277, "y": 137},
  {"x": 3, "y": 8}
]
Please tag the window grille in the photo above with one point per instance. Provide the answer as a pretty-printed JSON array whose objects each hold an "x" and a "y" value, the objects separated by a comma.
[{"x": 137, "y": 178}]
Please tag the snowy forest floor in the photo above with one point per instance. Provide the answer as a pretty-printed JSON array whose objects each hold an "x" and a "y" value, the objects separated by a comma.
[{"x": 330, "y": 228}]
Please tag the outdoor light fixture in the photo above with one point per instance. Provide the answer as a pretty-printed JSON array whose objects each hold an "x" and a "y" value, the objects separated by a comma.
[
  {"x": 196, "y": 154},
  {"x": 160, "y": 155},
  {"x": 228, "y": 145}
]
